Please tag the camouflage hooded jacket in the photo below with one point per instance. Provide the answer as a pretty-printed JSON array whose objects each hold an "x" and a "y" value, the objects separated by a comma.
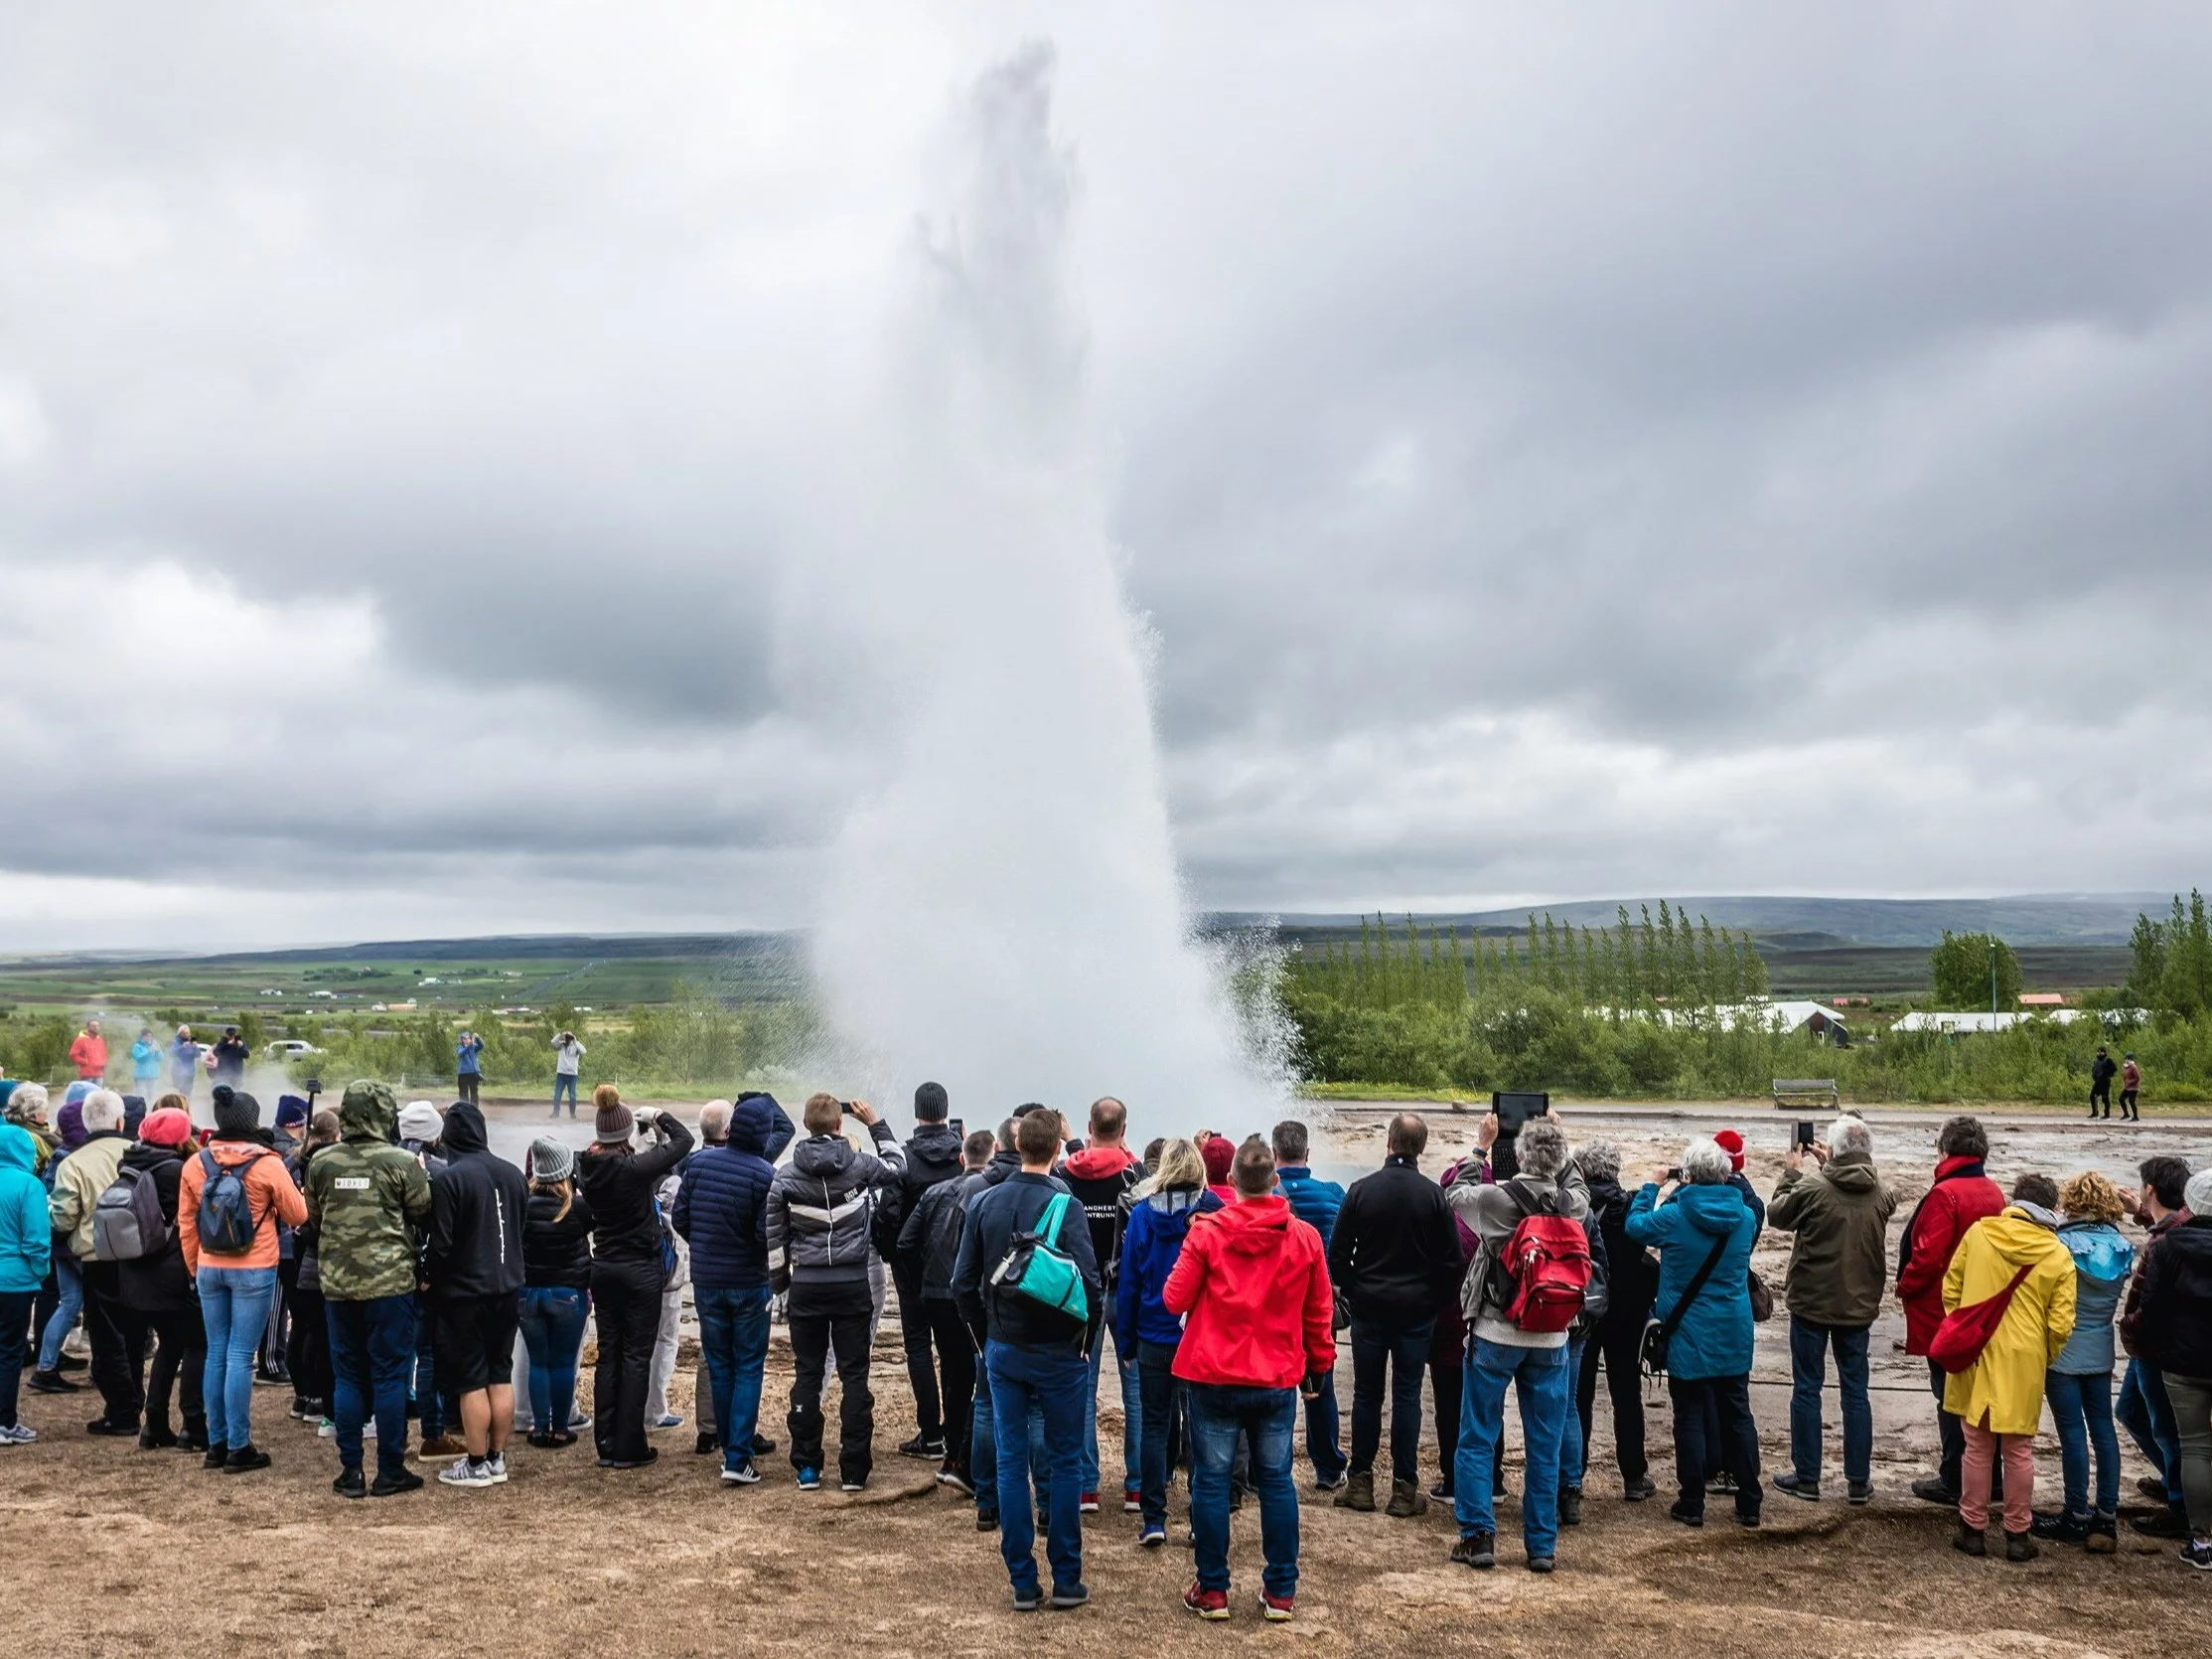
[{"x": 370, "y": 1199}]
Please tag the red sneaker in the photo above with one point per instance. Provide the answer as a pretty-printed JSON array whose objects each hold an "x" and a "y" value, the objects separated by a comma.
[
  {"x": 1206, "y": 1604},
  {"x": 1278, "y": 1609},
  {"x": 1091, "y": 1503}
]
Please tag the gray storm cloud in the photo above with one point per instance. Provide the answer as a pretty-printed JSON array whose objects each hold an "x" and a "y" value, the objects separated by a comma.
[{"x": 1742, "y": 448}]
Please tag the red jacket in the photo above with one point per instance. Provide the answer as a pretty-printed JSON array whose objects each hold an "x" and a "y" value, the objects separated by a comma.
[
  {"x": 89, "y": 1055},
  {"x": 1962, "y": 1195},
  {"x": 1253, "y": 1285}
]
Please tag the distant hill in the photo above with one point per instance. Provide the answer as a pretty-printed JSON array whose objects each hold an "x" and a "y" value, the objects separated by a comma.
[{"x": 1791, "y": 923}]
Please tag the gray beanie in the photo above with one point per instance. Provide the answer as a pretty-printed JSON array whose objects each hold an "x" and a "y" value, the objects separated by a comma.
[
  {"x": 2197, "y": 1195},
  {"x": 550, "y": 1160},
  {"x": 238, "y": 1113},
  {"x": 419, "y": 1120}
]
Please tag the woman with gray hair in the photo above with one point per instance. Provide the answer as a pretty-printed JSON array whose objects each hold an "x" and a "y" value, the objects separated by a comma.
[{"x": 1704, "y": 1233}]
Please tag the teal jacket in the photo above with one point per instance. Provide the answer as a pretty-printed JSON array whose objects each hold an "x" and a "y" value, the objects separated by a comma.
[
  {"x": 26, "y": 1230},
  {"x": 1713, "y": 1338},
  {"x": 2101, "y": 1261}
]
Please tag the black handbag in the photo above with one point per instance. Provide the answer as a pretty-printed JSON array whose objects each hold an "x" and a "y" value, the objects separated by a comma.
[{"x": 1658, "y": 1332}]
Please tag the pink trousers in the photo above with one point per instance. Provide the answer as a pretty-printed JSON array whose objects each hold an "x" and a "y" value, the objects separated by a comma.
[{"x": 1983, "y": 1449}]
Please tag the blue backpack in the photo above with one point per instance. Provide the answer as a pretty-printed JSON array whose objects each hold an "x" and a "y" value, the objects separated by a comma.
[{"x": 225, "y": 1214}]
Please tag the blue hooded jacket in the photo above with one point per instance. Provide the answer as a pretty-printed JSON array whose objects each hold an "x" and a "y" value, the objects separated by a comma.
[
  {"x": 2102, "y": 1257},
  {"x": 1713, "y": 1338},
  {"x": 1153, "y": 1240},
  {"x": 26, "y": 1228},
  {"x": 721, "y": 1207},
  {"x": 1313, "y": 1202}
]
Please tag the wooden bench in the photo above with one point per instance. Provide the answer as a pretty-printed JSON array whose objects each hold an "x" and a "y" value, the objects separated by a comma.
[{"x": 1797, "y": 1092}]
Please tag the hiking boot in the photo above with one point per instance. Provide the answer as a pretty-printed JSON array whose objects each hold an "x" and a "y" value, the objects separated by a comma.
[
  {"x": 1968, "y": 1542},
  {"x": 2162, "y": 1523},
  {"x": 244, "y": 1459},
  {"x": 1073, "y": 1595},
  {"x": 1206, "y": 1604},
  {"x": 1676, "y": 1511},
  {"x": 2021, "y": 1545},
  {"x": 1358, "y": 1493},
  {"x": 2061, "y": 1528},
  {"x": 393, "y": 1485},
  {"x": 443, "y": 1445},
  {"x": 351, "y": 1483},
  {"x": 2104, "y": 1536},
  {"x": 1477, "y": 1550},
  {"x": 53, "y": 1382},
  {"x": 1570, "y": 1507},
  {"x": 218, "y": 1455},
  {"x": 1408, "y": 1500},
  {"x": 1278, "y": 1609},
  {"x": 924, "y": 1445},
  {"x": 1636, "y": 1492},
  {"x": 1797, "y": 1486},
  {"x": 1931, "y": 1489},
  {"x": 1859, "y": 1493}
]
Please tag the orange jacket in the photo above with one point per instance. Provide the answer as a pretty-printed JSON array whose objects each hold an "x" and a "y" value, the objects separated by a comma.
[
  {"x": 88, "y": 1054},
  {"x": 268, "y": 1186}
]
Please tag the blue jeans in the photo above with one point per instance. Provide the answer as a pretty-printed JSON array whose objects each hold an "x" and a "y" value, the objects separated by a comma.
[
  {"x": 2081, "y": 1411},
  {"x": 1403, "y": 1350},
  {"x": 1540, "y": 1377},
  {"x": 1132, "y": 1413},
  {"x": 2147, "y": 1415},
  {"x": 564, "y": 1083},
  {"x": 553, "y": 1333},
  {"x": 372, "y": 1354},
  {"x": 1166, "y": 1398},
  {"x": 1052, "y": 1379},
  {"x": 234, "y": 1307},
  {"x": 733, "y": 1336},
  {"x": 1219, "y": 1414},
  {"x": 1809, "y": 1346},
  {"x": 68, "y": 1281},
  {"x": 427, "y": 1391}
]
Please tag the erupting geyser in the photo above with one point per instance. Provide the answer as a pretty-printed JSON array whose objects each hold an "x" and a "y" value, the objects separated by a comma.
[{"x": 1004, "y": 914}]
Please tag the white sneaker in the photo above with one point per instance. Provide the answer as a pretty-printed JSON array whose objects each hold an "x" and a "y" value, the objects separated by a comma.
[
  {"x": 19, "y": 1434},
  {"x": 578, "y": 1419},
  {"x": 326, "y": 1429},
  {"x": 465, "y": 1472},
  {"x": 745, "y": 1474},
  {"x": 495, "y": 1465}
]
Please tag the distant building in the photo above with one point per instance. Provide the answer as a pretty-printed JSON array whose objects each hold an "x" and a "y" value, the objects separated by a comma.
[{"x": 2043, "y": 1000}]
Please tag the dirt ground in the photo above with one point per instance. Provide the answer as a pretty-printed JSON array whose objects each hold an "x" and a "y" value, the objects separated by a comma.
[{"x": 112, "y": 1549}]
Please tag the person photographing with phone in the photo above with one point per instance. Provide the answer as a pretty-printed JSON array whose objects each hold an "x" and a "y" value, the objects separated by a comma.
[{"x": 821, "y": 1215}]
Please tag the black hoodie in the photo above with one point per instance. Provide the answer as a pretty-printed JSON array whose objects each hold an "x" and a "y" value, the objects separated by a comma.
[
  {"x": 1632, "y": 1274},
  {"x": 619, "y": 1187},
  {"x": 933, "y": 1154},
  {"x": 477, "y": 1206},
  {"x": 157, "y": 1283}
]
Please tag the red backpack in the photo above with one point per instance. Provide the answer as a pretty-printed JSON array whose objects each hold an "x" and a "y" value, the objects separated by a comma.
[{"x": 1547, "y": 1264}]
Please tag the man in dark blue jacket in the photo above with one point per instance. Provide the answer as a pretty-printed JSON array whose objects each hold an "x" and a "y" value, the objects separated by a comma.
[
  {"x": 1032, "y": 1355},
  {"x": 721, "y": 1212},
  {"x": 1316, "y": 1204}
]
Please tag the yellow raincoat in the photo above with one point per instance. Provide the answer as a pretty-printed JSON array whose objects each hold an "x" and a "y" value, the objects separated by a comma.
[{"x": 2002, "y": 1391}]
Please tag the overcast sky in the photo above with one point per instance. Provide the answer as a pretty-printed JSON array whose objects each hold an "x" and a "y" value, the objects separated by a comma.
[{"x": 1562, "y": 451}]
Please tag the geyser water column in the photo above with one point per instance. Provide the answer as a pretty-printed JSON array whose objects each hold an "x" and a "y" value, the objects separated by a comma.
[{"x": 1005, "y": 914}]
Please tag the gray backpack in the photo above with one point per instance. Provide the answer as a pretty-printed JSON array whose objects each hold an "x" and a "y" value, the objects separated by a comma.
[{"x": 127, "y": 1223}]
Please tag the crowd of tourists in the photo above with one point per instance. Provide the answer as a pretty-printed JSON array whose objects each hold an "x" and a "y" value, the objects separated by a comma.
[{"x": 399, "y": 1274}]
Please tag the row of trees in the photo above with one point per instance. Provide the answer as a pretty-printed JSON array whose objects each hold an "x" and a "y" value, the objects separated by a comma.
[
  {"x": 1631, "y": 966},
  {"x": 2171, "y": 967}
]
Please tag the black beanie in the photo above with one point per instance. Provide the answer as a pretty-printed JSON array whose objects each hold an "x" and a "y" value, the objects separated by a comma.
[{"x": 238, "y": 1113}]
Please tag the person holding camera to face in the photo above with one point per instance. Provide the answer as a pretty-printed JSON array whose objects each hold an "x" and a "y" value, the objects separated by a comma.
[
  {"x": 568, "y": 1064},
  {"x": 821, "y": 1217}
]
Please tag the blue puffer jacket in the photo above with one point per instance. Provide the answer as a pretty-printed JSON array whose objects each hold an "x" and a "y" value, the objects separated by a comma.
[
  {"x": 721, "y": 1207},
  {"x": 1713, "y": 1338},
  {"x": 2101, "y": 1261},
  {"x": 1153, "y": 1240},
  {"x": 1313, "y": 1202},
  {"x": 26, "y": 1228}
]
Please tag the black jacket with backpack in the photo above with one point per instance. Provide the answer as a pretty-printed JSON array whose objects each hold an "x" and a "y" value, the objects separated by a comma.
[
  {"x": 995, "y": 1216},
  {"x": 157, "y": 1283},
  {"x": 478, "y": 1204}
]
